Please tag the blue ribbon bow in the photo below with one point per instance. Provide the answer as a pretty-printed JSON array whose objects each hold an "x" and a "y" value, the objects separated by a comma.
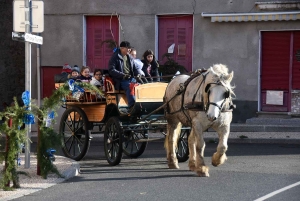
[
  {"x": 76, "y": 90},
  {"x": 28, "y": 118}
]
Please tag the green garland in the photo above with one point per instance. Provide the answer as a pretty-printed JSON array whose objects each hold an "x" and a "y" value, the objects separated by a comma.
[
  {"x": 46, "y": 133},
  {"x": 17, "y": 135}
]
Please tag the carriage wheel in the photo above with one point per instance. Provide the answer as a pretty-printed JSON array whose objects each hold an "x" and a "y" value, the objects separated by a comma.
[
  {"x": 75, "y": 136},
  {"x": 182, "y": 151},
  {"x": 135, "y": 142},
  {"x": 113, "y": 141}
]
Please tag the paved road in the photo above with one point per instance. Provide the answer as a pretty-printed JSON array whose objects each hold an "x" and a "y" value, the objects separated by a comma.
[{"x": 251, "y": 172}]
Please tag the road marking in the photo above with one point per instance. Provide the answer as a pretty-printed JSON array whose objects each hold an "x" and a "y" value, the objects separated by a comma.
[{"x": 278, "y": 191}]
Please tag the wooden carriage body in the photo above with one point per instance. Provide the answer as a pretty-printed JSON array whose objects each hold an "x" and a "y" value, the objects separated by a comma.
[{"x": 95, "y": 107}]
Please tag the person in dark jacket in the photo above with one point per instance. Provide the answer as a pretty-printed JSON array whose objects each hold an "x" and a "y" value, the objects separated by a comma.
[
  {"x": 150, "y": 67},
  {"x": 122, "y": 69}
]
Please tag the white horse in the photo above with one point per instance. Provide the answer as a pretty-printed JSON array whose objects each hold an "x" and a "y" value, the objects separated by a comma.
[{"x": 203, "y": 101}]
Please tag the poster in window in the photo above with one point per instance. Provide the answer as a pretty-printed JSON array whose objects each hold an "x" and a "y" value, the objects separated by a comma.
[
  {"x": 182, "y": 49},
  {"x": 274, "y": 98},
  {"x": 171, "y": 48}
]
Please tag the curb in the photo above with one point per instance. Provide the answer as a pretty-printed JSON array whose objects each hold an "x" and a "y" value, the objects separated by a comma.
[
  {"x": 258, "y": 141},
  {"x": 208, "y": 139}
]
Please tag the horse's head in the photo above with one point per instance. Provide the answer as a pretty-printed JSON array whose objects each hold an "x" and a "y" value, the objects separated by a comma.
[{"x": 217, "y": 90}]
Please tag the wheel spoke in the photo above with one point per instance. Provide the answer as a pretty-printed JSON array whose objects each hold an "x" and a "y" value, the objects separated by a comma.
[
  {"x": 78, "y": 140},
  {"x": 66, "y": 123},
  {"x": 66, "y": 141},
  {"x": 71, "y": 144}
]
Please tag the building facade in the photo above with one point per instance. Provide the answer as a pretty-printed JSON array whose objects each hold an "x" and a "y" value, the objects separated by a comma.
[{"x": 259, "y": 41}]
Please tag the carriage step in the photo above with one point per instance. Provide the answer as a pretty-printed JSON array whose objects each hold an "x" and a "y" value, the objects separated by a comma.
[{"x": 149, "y": 139}]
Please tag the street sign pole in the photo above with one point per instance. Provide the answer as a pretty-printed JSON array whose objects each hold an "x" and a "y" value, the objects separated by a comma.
[{"x": 28, "y": 76}]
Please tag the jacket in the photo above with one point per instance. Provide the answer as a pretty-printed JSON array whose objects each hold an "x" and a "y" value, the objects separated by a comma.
[
  {"x": 154, "y": 70},
  {"x": 96, "y": 82},
  {"x": 116, "y": 68},
  {"x": 81, "y": 77}
]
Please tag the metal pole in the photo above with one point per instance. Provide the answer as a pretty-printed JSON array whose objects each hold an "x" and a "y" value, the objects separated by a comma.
[
  {"x": 38, "y": 72},
  {"x": 28, "y": 76},
  {"x": 38, "y": 65}
]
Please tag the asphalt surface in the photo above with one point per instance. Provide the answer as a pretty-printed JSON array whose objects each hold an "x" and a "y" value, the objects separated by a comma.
[{"x": 251, "y": 172}]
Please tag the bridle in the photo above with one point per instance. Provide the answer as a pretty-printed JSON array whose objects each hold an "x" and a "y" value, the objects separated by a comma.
[{"x": 226, "y": 95}]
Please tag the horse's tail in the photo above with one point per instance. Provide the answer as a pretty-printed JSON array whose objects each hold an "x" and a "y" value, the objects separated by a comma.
[
  {"x": 177, "y": 133},
  {"x": 176, "y": 137}
]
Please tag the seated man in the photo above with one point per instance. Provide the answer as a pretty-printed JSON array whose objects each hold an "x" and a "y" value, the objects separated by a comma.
[{"x": 122, "y": 69}]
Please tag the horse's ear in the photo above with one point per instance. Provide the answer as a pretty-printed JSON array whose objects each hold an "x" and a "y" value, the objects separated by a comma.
[
  {"x": 228, "y": 77},
  {"x": 211, "y": 70}
]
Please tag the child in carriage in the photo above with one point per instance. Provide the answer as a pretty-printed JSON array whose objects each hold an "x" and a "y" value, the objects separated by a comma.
[
  {"x": 74, "y": 73},
  {"x": 139, "y": 64},
  {"x": 150, "y": 67},
  {"x": 97, "y": 80},
  {"x": 85, "y": 74}
]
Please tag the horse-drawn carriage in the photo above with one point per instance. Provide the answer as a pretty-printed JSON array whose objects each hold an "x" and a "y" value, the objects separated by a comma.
[
  {"x": 123, "y": 133},
  {"x": 187, "y": 106}
]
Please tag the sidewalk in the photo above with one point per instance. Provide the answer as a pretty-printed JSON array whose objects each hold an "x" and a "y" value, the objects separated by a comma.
[{"x": 34, "y": 183}]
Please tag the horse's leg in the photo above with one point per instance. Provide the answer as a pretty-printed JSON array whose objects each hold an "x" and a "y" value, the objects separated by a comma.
[
  {"x": 173, "y": 131},
  {"x": 220, "y": 157},
  {"x": 192, "y": 150},
  {"x": 166, "y": 143},
  {"x": 197, "y": 156}
]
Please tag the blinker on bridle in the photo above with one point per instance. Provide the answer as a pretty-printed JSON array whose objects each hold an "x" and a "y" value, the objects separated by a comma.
[{"x": 207, "y": 90}]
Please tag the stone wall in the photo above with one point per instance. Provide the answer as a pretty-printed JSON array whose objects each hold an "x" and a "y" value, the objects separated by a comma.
[{"x": 295, "y": 103}]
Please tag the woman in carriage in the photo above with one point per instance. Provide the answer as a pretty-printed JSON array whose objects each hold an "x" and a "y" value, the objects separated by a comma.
[{"x": 150, "y": 67}]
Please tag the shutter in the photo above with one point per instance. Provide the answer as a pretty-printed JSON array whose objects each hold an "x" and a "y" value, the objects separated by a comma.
[
  {"x": 296, "y": 61},
  {"x": 181, "y": 51},
  {"x": 176, "y": 29},
  {"x": 275, "y": 60},
  {"x": 97, "y": 48},
  {"x": 98, "y": 30},
  {"x": 275, "y": 68}
]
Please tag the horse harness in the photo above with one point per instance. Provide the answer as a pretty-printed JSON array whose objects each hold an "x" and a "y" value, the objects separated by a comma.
[{"x": 195, "y": 105}]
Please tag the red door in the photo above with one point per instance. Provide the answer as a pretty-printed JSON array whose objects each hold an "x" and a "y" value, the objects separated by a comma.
[
  {"x": 98, "y": 30},
  {"x": 177, "y": 30},
  {"x": 47, "y": 79},
  {"x": 280, "y": 71}
]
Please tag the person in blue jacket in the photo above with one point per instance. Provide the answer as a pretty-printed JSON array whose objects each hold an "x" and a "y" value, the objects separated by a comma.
[{"x": 122, "y": 69}]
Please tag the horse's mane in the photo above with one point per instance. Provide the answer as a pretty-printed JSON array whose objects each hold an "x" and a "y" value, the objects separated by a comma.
[{"x": 221, "y": 71}]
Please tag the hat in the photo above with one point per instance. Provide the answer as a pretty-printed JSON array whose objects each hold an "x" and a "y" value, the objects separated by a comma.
[
  {"x": 75, "y": 68},
  {"x": 66, "y": 68},
  {"x": 125, "y": 44}
]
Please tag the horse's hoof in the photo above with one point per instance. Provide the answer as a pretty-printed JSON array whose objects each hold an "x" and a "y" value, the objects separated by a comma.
[
  {"x": 203, "y": 171},
  {"x": 203, "y": 174},
  {"x": 217, "y": 160}
]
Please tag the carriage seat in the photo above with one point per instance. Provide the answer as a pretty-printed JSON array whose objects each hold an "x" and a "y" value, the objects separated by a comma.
[{"x": 110, "y": 87}]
